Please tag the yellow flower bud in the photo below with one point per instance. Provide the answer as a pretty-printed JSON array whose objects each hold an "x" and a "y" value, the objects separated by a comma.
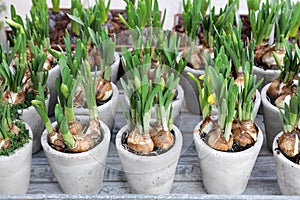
[
  {"x": 211, "y": 99},
  {"x": 201, "y": 77}
]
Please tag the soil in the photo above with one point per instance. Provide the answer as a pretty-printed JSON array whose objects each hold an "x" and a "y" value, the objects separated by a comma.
[
  {"x": 246, "y": 27},
  {"x": 295, "y": 159},
  {"x": 155, "y": 151},
  {"x": 235, "y": 147},
  {"x": 58, "y": 23}
]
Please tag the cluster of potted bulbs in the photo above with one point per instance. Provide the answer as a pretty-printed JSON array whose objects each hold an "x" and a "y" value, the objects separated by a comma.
[{"x": 63, "y": 97}]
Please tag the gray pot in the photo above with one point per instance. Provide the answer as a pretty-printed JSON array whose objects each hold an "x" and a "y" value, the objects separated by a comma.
[
  {"x": 79, "y": 173},
  {"x": 225, "y": 172},
  {"x": 150, "y": 174},
  {"x": 33, "y": 119},
  {"x": 268, "y": 75},
  {"x": 288, "y": 172},
  {"x": 51, "y": 83},
  {"x": 114, "y": 68},
  {"x": 15, "y": 169},
  {"x": 106, "y": 111},
  {"x": 272, "y": 121},
  {"x": 191, "y": 93}
]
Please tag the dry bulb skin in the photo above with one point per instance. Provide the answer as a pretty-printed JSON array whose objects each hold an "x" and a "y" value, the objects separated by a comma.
[
  {"x": 13, "y": 98},
  {"x": 279, "y": 89},
  {"x": 75, "y": 127},
  {"x": 217, "y": 140},
  {"x": 140, "y": 143},
  {"x": 94, "y": 57},
  {"x": 260, "y": 51},
  {"x": 103, "y": 90},
  {"x": 244, "y": 133},
  {"x": 289, "y": 143},
  {"x": 163, "y": 140},
  {"x": 56, "y": 141},
  {"x": 197, "y": 60},
  {"x": 269, "y": 60}
]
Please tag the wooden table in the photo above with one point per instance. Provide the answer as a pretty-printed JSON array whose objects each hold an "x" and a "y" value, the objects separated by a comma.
[{"x": 187, "y": 183}]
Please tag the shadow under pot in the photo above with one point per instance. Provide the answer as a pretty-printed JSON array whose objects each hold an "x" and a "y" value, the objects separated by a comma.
[
  {"x": 149, "y": 174},
  {"x": 79, "y": 173},
  {"x": 225, "y": 172}
]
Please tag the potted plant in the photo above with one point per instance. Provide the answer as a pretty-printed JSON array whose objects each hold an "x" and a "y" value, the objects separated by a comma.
[
  {"x": 36, "y": 28},
  {"x": 107, "y": 93},
  {"x": 242, "y": 58},
  {"x": 210, "y": 25},
  {"x": 15, "y": 152},
  {"x": 262, "y": 23},
  {"x": 80, "y": 142},
  {"x": 286, "y": 148},
  {"x": 92, "y": 22},
  {"x": 232, "y": 139},
  {"x": 149, "y": 154},
  {"x": 280, "y": 91},
  {"x": 22, "y": 78}
]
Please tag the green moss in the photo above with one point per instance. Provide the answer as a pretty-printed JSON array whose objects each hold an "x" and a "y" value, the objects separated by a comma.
[{"x": 17, "y": 141}]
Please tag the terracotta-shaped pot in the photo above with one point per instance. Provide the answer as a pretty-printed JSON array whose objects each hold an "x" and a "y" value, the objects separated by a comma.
[
  {"x": 288, "y": 172},
  {"x": 150, "y": 174},
  {"x": 191, "y": 93},
  {"x": 51, "y": 83},
  {"x": 114, "y": 68},
  {"x": 15, "y": 169},
  {"x": 272, "y": 121},
  {"x": 33, "y": 119},
  {"x": 106, "y": 111},
  {"x": 79, "y": 173},
  {"x": 225, "y": 172},
  {"x": 268, "y": 75}
]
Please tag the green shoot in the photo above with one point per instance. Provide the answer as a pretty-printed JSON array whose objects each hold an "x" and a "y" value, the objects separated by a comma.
[
  {"x": 106, "y": 48},
  {"x": 55, "y": 5}
]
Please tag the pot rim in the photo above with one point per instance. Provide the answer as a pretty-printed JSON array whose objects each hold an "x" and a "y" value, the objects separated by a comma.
[
  {"x": 278, "y": 154},
  {"x": 115, "y": 95},
  {"x": 177, "y": 146},
  {"x": 257, "y": 145},
  {"x": 47, "y": 101},
  {"x": 265, "y": 71},
  {"x": 50, "y": 150},
  {"x": 20, "y": 150}
]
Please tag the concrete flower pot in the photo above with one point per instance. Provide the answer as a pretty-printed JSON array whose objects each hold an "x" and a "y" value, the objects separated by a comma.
[
  {"x": 272, "y": 121},
  {"x": 51, "y": 83},
  {"x": 150, "y": 174},
  {"x": 106, "y": 111},
  {"x": 79, "y": 173},
  {"x": 33, "y": 119},
  {"x": 225, "y": 172},
  {"x": 114, "y": 68},
  {"x": 191, "y": 94},
  {"x": 268, "y": 75},
  {"x": 177, "y": 103},
  {"x": 288, "y": 172},
  {"x": 256, "y": 105},
  {"x": 15, "y": 169}
]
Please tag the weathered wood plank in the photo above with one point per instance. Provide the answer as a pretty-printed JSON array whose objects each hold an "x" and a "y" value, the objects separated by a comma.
[{"x": 113, "y": 188}]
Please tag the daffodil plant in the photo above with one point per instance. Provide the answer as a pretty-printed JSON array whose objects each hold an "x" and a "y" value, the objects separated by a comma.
[
  {"x": 288, "y": 72},
  {"x": 13, "y": 134},
  {"x": 289, "y": 140},
  {"x": 141, "y": 92},
  {"x": 287, "y": 24},
  {"x": 56, "y": 5}
]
